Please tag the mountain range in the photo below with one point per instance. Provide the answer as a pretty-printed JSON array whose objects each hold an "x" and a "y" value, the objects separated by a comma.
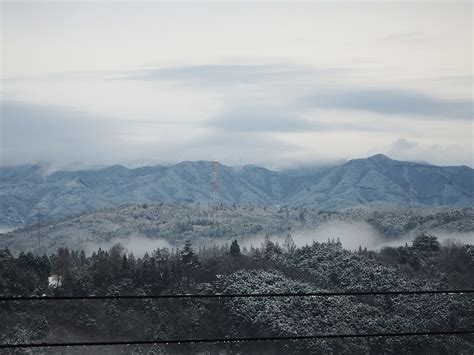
[{"x": 26, "y": 191}]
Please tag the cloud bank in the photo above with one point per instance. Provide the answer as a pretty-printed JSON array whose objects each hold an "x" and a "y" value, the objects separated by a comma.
[{"x": 395, "y": 102}]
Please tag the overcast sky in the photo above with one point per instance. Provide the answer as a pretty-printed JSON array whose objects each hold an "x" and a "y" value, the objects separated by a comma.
[{"x": 270, "y": 84}]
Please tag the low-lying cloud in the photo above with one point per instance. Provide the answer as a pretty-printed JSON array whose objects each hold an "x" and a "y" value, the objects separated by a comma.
[
  {"x": 443, "y": 238},
  {"x": 351, "y": 234},
  {"x": 138, "y": 245}
]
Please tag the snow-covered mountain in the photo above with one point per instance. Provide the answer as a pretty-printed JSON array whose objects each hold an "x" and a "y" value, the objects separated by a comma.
[
  {"x": 26, "y": 191},
  {"x": 379, "y": 179}
]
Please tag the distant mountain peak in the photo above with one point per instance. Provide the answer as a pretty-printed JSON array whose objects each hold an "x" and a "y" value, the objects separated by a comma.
[
  {"x": 379, "y": 157},
  {"x": 374, "y": 160}
]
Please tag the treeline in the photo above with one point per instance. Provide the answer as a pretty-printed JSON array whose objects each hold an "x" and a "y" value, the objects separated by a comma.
[
  {"x": 185, "y": 267},
  {"x": 77, "y": 274}
]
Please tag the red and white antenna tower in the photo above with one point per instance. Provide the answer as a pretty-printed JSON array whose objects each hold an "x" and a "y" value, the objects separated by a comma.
[{"x": 214, "y": 197}]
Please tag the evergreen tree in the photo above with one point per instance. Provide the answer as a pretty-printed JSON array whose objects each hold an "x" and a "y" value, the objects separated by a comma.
[
  {"x": 288, "y": 244},
  {"x": 426, "y": 243},
  {"x": 63, "y": 263},
  {"x": 187, "y": 256},
  {"x": 235, "y": 248},
  {"x": 189, "y": 261}
]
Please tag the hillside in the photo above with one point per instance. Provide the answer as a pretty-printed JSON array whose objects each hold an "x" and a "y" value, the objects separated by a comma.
[
  {"x": 153, "y": 225},
  {"x": 26, "y": 191},
  {"x": 268, "y": 268}
]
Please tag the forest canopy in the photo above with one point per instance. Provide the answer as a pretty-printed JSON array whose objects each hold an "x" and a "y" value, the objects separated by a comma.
[{"x": 228, "y": 268}]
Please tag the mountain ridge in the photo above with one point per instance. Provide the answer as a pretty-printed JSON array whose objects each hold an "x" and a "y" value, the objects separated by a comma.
[{"x": 375, "y": 180}]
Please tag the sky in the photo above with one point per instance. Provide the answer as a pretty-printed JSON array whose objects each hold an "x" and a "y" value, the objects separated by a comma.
[{"x": 273, "y": 84}]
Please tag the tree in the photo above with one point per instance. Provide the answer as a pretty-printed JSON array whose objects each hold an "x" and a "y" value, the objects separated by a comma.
[
  {"x": 187, "y": 255},
  {"x": 116, "y": 254},
  {"x": 270, "y": 249},
  {"x": 124, "y": 268},
  {"x": 288, "y": 244},
  {"x": 43, "y": 268},
  {"x": 235, "y": 248},
  {"x": 426, "y": 243},
  {"x": 189, "y": 261},
  {"x": 63, "y": 263}
]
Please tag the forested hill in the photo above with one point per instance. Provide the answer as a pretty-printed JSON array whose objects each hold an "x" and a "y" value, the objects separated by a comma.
[
  {"x": 172, "y": 224},
  {"x": 26, "y": 191},
  {"x": 425, "y": 265}
]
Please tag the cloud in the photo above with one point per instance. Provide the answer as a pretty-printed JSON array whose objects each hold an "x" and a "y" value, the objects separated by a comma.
[
  {"x": 393, "y": 102},
  {"x": 351, "y": 234},
  {"x": 220, "y": 74},
  {"x": 210, "y": 74},
  {"x": 402, "y": 145},
  {"x": 274, "y": 136},
  {"x": 282, "y": 119},
  {"x": 136, "y": 244},
  {"x": 260, "y": 119},
  {"x": 301, "y": 87},
  {"x": 438, "y": 154},
  {"x": 237, "y": 148},
  {"x": 31, "y": 132}
]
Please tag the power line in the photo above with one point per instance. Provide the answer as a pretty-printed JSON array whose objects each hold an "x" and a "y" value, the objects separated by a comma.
[
  {"x": 235, "y": 340},
  {"x": 235, "y": 295}
]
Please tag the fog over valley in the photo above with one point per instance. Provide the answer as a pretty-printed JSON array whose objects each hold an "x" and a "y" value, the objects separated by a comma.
[{"x": 352, "y": 235}]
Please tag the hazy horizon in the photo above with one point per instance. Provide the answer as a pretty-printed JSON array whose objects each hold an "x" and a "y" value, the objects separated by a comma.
[{"x": 50, "y": 168}]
